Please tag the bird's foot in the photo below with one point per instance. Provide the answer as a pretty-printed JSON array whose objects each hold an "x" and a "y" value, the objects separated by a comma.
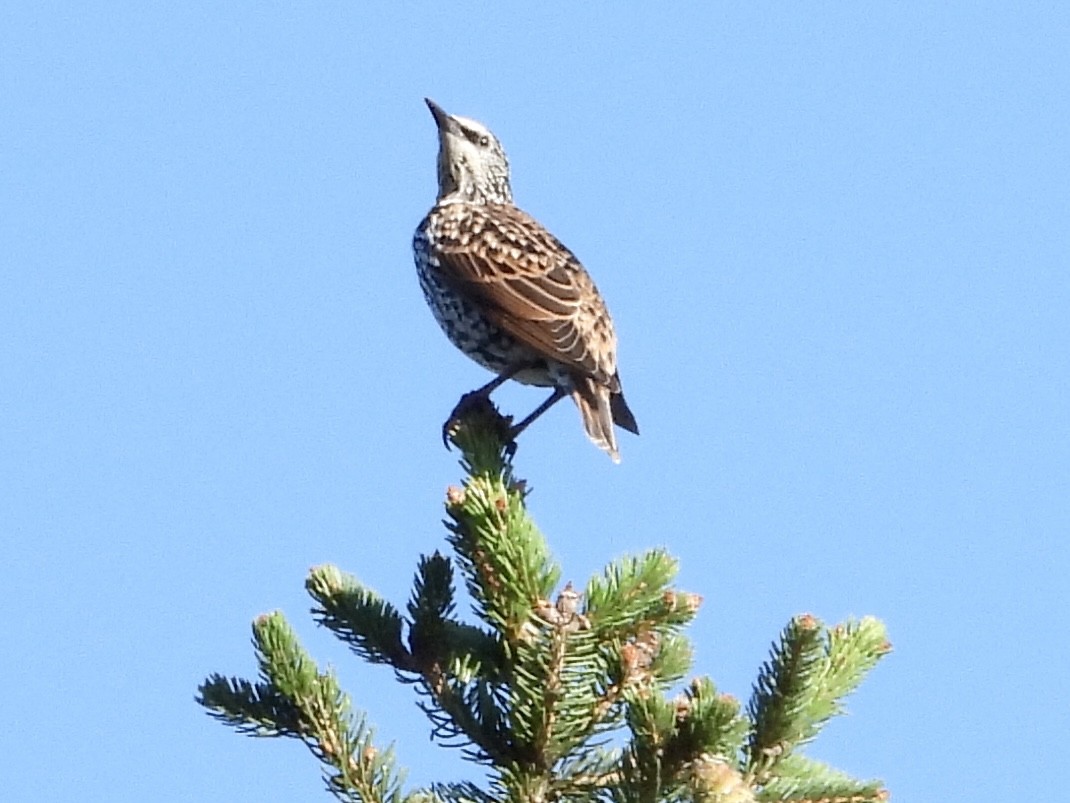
[{"x": 475, "y": 404}]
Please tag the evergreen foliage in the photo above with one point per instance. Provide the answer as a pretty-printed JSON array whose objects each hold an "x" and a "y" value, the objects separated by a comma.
[{"x": 550, "y": 677}]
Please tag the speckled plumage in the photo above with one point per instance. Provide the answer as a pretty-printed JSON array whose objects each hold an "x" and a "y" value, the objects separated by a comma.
[{"x": 506, "y": 292}]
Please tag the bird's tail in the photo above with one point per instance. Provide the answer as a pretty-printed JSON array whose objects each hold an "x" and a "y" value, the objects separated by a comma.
[
  {"x": 600, "y": 408},
  {"x": 622, "y": 415}
]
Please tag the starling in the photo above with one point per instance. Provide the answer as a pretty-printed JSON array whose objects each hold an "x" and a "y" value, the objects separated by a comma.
[{"x": 508, "y": 294}]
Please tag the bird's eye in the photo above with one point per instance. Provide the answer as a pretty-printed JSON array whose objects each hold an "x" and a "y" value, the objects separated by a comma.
[{"x": 484, "y": 141}]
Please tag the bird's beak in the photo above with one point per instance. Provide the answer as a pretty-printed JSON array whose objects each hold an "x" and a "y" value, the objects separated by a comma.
[{"x": 445, "y": 123}]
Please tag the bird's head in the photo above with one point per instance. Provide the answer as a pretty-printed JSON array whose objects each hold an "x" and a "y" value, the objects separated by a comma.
[{"x": 471, "y": 162}]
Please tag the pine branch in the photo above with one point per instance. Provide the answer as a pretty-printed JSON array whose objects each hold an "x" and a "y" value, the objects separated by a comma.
[
  {"x": 569, "y": 668},
  {"x": 294, "y": 699},
  {"x": 807, "y": 781},
  {"x": 557, "y": 683},
  {"x": 440, "y": 650},
  {"x": 651, "y": 717},
  {"x": 255, "y": 709},
  {"x": 505, "y": 560},
  {"x": 713, "y": 779},
  {"x": 707, "y": 724},
  {"x": 461, "y": 793},
  {"x": 672, "y": 660},
  {"x": 539, "y": 689},
  {"x": 686, "y": 747},
  {"x": 370, "y": 625},
  {"x": 592, "y": 773},
  {"x": 782, "y": 694},
  {"x": 634, "y": 595},
  {"x": 507, "y": 567},
  {"x": 468, "y": 715},
  {"x": 437, "y": 640},
  {"x": 853, "y": 648},
  {"x": 802, "y": 685},
  {"x": 432, "y": 593}
]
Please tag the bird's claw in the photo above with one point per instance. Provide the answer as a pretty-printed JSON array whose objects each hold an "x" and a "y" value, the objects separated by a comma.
[{"x": 468, "y": 402}]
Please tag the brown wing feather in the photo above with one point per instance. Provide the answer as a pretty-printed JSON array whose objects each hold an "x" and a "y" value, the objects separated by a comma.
[{"x": 531, "y": 285}]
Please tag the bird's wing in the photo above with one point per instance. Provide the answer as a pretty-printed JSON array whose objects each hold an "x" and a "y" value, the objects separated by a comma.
[{"x": 529, "y": 284}]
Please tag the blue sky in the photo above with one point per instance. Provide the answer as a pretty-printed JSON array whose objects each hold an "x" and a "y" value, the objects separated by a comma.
[{"x": 834, "y": 239}]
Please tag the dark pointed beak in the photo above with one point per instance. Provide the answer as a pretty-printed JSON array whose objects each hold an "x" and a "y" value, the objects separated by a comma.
[
  {"x": 442, "y": 120},
  {"x": 437, "y": 112}
]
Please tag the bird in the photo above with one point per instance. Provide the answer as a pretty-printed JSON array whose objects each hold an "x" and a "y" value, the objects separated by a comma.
[{"x": 509, "y": 294}]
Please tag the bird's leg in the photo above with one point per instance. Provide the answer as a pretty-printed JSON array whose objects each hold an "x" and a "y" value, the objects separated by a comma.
[
  {"x": 479, "y": 396},
  {"x": 554, "y": 398},
  {"x": 494, "y": 384}
]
